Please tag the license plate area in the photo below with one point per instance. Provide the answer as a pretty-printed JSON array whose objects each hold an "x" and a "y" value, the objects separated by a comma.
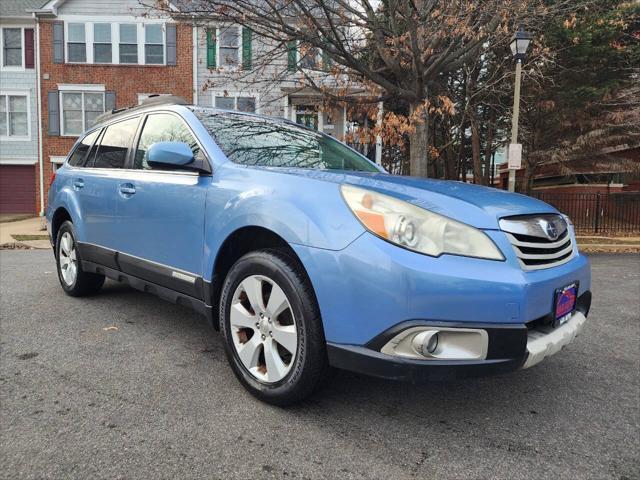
[{"x": 564, "y": 303}]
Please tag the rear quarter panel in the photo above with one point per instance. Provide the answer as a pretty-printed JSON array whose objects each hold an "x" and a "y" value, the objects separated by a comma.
[{"x": 62, "y": 195}]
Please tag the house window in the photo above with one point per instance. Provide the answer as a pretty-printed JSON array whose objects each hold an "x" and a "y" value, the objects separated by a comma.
[
  {"x": 128, "y": 43},
  {"x": 102, "y": 43},
  {"x": 229, "y": 49},
  {"x": 80, "y": 110},
  {"x": 153, "y": 45},
  {"x": 239, "y": 103},
  {"x": 309, "y": 56},
  {"x": 12, "y": 47},
  {"x": 14, "y": 116},
  {"x": 307, "y": 115},
  {"x": 76, "y": 45}
]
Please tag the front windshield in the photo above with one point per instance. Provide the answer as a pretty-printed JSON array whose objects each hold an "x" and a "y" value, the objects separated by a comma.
[{"x": 262, "y": 142}]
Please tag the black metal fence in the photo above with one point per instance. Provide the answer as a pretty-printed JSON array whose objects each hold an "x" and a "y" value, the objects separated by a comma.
[{"x": 598, "y": 213}]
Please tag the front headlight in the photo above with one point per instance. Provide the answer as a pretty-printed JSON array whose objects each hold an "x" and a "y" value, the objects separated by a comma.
[{"x": 416, "y": 228}]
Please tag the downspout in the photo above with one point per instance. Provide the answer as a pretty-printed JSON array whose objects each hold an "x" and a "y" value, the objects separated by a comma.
[
  {"x": 195, "y": 63},
  {"x": 39, "y": 109}
]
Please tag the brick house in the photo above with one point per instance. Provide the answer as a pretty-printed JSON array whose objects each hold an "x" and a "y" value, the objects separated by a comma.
[
  {"x": 18, "y": 108},
  {"x": 96, "y": 56}
]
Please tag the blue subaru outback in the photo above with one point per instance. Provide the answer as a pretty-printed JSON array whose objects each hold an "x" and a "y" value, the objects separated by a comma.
[{"x": 307, "y": 256}]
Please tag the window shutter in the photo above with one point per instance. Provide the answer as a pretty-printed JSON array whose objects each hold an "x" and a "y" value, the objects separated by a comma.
[
  {"x": 247, "y": 51},
  {"x": 326, "y": 58},
  {"x": 211, "y": 48},
  {"x": 292, "y": 55},
  {"x": 58, "y": 42},
  {"x": 109, "y": 101},
  {"x": 29, "y": 52},
  {"x": 171, "y": 43},
  {"x": 53, "y": 107}
]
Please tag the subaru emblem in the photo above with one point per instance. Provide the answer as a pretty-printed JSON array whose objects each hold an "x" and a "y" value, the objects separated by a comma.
[{"x": 549, "y": 229}]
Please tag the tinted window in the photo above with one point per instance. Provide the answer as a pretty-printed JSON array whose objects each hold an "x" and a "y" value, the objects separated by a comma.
[
  {"x": 262, "y": 142},
  {"x": 163, "y": 127},
  {"x": 112, "y": 152},
  {"x": 79, "y": 154}
]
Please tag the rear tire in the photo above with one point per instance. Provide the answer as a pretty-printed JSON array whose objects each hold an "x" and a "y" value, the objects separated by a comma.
[
  {"x": 73, "y": 279},
  {"x": 275, "y": 341}
]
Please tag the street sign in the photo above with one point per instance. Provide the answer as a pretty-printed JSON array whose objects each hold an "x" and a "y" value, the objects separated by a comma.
[{"x": 514, "y": 157}]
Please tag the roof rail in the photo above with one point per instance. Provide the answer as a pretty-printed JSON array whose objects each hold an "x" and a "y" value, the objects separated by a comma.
[{"x": 151, "y": 100}]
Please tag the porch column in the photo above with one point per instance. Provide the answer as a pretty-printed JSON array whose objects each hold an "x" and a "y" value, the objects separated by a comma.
[
  {"x": 286, "y": 107},
  {"x": 379, "y": 137},
  {"x": 344, "y": 122}
]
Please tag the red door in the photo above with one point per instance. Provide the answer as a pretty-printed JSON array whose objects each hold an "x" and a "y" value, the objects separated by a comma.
[{"x": 18, "y": 189}]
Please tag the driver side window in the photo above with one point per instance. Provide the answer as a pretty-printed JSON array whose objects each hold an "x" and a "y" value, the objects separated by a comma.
[{"x": 162, "y": 127}]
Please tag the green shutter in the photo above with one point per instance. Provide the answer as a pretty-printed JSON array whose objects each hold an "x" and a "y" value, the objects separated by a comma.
[
  {"x": 211, "y": 48},
  {"x": 247, "y": 52},
  {"x": 326, "y": 61},
  {"x": 292, "y": 55}
]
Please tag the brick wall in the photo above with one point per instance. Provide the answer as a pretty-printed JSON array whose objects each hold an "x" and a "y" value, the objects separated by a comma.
[{"x": 126, "y": 80}]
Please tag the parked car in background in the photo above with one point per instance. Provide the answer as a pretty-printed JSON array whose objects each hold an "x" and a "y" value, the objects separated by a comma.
[{"x": 306, "y": 255}]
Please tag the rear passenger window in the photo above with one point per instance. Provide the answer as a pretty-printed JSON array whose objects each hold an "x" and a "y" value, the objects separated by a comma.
[
  {"x": 162, "y": 127},
  {"x": 112, "y": 152},
  {"x": 80, "y": 153}
]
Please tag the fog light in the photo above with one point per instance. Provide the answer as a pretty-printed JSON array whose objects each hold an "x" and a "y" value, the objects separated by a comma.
[
  {"x": 426, "y": 343},
  {"x": 439, "y": 343},
  {"x": 432, "y": 344}
]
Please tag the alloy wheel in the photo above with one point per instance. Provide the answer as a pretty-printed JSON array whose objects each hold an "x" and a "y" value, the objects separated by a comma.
[
  {"x": 264, "y": 329},
  {"x": 67, "y": 259}
]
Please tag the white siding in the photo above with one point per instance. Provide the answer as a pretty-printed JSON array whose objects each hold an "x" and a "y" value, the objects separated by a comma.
[
  {"x": 269, "y": 93},
  {"x": 97, "y": 7},
  {"x": 21, "y": 81},
  {"x": 260, "y": 82}
]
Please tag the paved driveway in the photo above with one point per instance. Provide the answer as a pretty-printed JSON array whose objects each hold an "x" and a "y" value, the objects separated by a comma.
[{"x": 154, "y": 398}]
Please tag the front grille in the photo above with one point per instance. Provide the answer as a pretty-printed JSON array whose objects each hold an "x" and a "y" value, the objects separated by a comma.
[{"x": 539, "y": 241}]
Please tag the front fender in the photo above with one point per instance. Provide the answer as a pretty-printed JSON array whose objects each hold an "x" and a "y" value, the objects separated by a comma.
[{"x": 302, "y": 211}]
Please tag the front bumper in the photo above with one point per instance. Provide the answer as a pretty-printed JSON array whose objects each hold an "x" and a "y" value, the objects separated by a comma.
[
  {"x": 371, "y": 290},
  {"x": 511, "y": 347}
]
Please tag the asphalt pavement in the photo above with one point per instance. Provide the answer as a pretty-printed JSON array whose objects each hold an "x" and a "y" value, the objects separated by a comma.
[{"x": 124, "y": 385}]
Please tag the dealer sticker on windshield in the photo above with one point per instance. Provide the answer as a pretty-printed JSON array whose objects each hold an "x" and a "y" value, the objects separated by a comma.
[{"x": 565, "y": 303}]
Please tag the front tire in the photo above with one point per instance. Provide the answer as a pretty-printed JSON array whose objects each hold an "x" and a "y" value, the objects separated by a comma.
[
  {"x": 272, "y": 328},
  {"x": 74, "y": 280}
]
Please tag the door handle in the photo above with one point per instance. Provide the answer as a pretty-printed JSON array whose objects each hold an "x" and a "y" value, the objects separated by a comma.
[
  {"x": 127, "y": 189},
  {"x": 78, "y": 183}
]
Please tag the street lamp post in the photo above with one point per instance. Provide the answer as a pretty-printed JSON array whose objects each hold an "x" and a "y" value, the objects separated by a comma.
[{"x": 519, "y": 45}]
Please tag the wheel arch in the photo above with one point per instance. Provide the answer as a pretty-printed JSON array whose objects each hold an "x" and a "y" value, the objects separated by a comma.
[
  {"x": 59, "y": 217},
  {"x": 238, "y": 243}
]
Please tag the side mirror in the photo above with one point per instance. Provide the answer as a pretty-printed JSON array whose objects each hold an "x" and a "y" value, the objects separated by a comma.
[{"x": 176, "y": 156}]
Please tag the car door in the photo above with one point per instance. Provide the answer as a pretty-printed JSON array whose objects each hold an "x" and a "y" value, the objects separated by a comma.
[
  {"x": 161, "y": 212},
  {"x": 97, "y": 184}
]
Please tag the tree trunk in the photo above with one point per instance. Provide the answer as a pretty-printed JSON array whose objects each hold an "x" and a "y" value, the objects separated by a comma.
[
  {"x": 461, "y": 173},
  {"x": 475, "y": 152},
  {"x": 418, "y": 142},
  {"x": 529, "y": 174},
  {"x": 450, "y": 170}
]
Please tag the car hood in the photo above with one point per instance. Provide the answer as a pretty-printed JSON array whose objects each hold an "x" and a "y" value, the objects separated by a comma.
[{"x": 474, "y": 205}]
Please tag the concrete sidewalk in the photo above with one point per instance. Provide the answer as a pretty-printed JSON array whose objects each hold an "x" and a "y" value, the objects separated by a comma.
[{"x": 30, "y": 232}]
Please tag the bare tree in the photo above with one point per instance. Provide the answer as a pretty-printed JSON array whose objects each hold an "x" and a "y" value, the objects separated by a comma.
[{"x": 386, "y": 49}]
